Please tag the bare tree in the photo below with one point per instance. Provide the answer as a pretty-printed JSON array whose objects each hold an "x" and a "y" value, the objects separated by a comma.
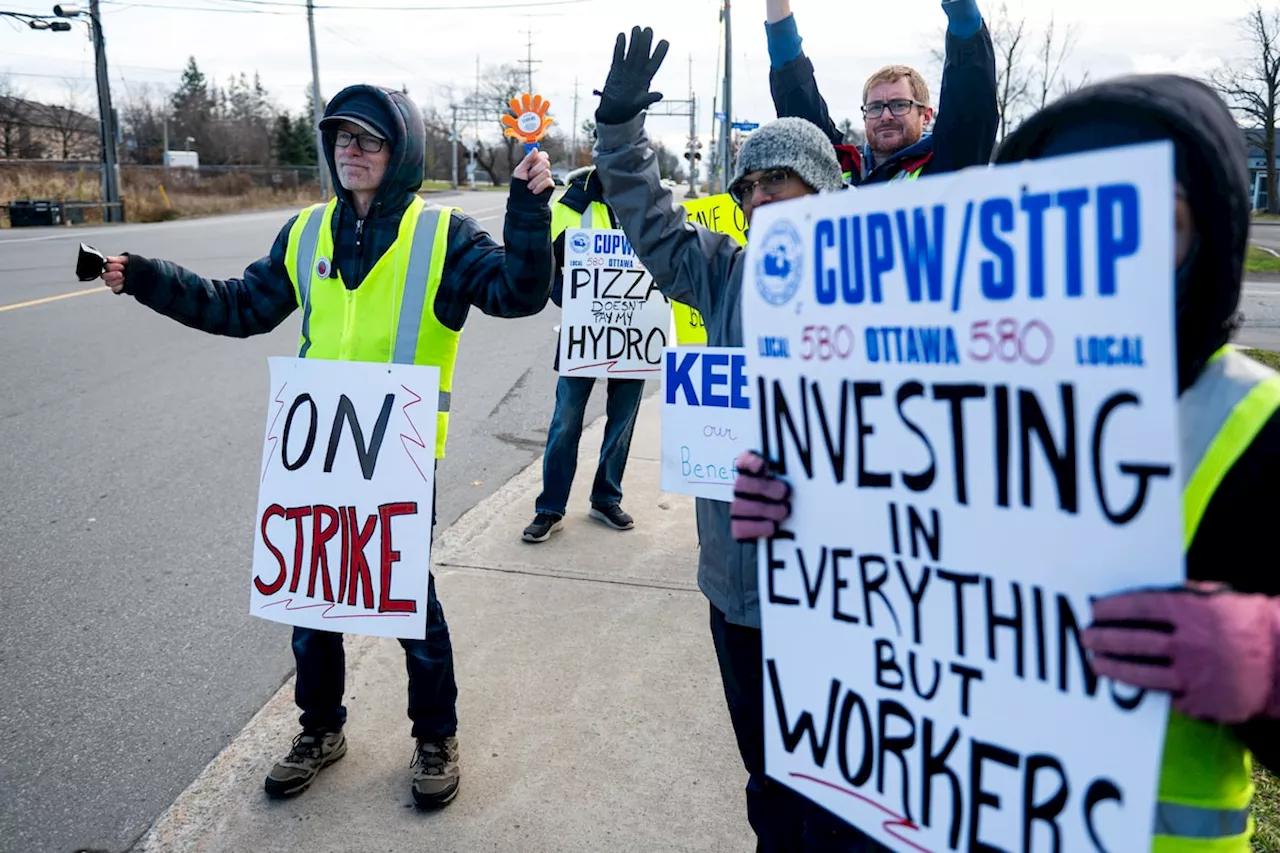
[
  {"x": 143, "y": 113},
  {"x": 1252, "y": 86},
  {"x": 13, "y": 118},
  {"x": 853, "y": 135},
  {"x": 1056, "y": 47},
  {"x": 74, "y": 132},
  {"x": 1013, "y": 80},
  {"x": 497, "y": 87}
]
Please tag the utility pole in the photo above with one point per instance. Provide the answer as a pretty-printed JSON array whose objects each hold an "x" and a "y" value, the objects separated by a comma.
[
  {"x": 106, "y": 119},
  {"x": 573, "y": 151},
  {"x": 316, "y": 110},
  {"x": 453, "y": 148},
  {"x": 694, "y": 143},
  {"x": 726, "y": 126},
  {"x": 529, "y": 61}
]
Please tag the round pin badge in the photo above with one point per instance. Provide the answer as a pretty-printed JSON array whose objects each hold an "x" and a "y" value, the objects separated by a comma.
[{"x": 322, "y": 268}]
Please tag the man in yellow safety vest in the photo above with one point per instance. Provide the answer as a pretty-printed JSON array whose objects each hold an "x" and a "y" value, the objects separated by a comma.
[{"x": 380, "y": 276}]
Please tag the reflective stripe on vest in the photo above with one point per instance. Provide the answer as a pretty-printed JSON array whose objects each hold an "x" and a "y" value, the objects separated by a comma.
[
  {"x": 1205, "y": 782},
  {"x": 907, "y": 176},
  {"x": 306, "y": 262},
  {"x": 398, "y": 287}
]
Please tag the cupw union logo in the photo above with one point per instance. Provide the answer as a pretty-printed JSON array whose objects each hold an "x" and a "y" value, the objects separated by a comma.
[
  {"x": 581, "y": 243},
  {"x": 779, "y": 267}
]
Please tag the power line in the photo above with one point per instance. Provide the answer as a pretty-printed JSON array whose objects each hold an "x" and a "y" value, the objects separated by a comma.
[{"x": 264, "y": 7}]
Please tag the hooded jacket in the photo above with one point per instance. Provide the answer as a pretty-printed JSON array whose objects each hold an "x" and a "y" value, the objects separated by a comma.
[
  {"x": 1233, "y": 532},
  {"x": 503, "y": 281},
  {"x": 703, "y": 269}
]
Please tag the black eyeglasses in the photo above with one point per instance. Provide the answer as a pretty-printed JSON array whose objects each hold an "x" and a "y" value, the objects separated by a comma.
[
  {"x": 898, "y": 106},
  {"x": 772, "y": 182},
  {"x": 368, "y": 143}
]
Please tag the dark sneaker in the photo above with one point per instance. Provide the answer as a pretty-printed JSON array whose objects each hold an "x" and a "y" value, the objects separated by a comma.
[
  {"x": 435, "y": 773},
  {"x": 311, "y": 753},
  {"x": 613, "y": 516},
  {"x": 542, "y": 526}
]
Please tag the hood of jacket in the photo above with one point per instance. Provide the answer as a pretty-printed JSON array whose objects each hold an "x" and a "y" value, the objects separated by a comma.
[
  {"x": 408, "y": 147},
  {"x": 1211, "y": 166}
]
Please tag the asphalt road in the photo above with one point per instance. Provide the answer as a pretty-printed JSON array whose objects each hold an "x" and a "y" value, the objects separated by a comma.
[{"x": 127, "y": 489}]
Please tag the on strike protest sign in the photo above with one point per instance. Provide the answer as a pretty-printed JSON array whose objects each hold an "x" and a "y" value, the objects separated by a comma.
[
  {"x": 343, "y": 539},
  {"x": 969, "y": 381},
  {"x": 614, "y": 320},
  {"x": 706, "y": 420}
]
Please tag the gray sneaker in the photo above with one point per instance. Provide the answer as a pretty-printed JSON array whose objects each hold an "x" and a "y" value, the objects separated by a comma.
[
  {"x": 312, "y": 752},
  {"x": 435, "y": 773}
]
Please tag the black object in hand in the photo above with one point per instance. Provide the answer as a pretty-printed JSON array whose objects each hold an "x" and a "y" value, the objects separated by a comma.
[{"x": 90, "y": 264}]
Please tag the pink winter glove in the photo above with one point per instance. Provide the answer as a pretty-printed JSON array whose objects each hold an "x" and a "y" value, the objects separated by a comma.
[
  {"x": 1213, "y": 649},
  {"x": 761, "y": 501}
]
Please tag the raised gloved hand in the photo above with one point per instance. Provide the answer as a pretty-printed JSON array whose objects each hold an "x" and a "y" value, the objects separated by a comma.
[
  {"x": 1215, "y": 650},
  {"x": 761, "y": 501},
  {"x": 626, "y": 89}
]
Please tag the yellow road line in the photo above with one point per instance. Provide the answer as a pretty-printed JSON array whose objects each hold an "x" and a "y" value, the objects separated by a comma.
[{"x": 34, "y": 302}]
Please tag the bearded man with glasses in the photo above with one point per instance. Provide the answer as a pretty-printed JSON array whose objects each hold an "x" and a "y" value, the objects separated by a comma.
[
  {"x": 352, "y": 266},
  {"x": 896, "y": 108}
]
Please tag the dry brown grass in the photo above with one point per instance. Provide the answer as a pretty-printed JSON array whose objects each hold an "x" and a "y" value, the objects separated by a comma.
[{"x": 229, "y": 192}]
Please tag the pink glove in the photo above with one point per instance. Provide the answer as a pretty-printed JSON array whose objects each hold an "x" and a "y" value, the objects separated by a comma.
[
  {"x": 761, "y": 501},
  {"x": 1215, "y": 650}
]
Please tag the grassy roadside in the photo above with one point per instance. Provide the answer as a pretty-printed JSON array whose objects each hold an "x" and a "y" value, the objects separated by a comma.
[{"x": 1261, "y": 261}]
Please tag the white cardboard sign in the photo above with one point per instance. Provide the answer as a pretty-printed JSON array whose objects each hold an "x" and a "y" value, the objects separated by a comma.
[
  {"x": 706, "y": 420},
  {"x": 343, "y": 530},
  {"x": 614, "y": 320},
  {"x": 969, "y": 381}
]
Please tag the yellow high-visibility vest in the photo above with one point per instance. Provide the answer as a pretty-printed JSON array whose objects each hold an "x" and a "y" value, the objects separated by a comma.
[{"x": 391, "y": 316}]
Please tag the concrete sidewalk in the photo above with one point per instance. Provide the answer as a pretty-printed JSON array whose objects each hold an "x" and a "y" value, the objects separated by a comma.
[{"x": 591, "y": 712}]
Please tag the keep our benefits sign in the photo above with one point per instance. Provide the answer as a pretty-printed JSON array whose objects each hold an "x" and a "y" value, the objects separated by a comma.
[{"x": 969, "y": 382}]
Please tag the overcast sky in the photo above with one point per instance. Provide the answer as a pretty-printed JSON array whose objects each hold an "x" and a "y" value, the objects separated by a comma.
[{"x": 148, "y": 42}]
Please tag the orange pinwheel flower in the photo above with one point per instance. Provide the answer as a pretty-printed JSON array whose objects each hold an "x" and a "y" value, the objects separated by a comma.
[{"x": 529, "y": 121}]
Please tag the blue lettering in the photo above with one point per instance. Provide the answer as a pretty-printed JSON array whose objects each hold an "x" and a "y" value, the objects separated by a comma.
[
  {"x": 711, "y": 381},
  {"x": 931, "y": 343},
  {"x": 873, "y": 346},
  {"x": 1112, "y": 246},
  {"x": 923, "y": 251},
  {"x": 824, "y": 236},
  {"x": 1072, "y": 201},
  {"x": 997, "y": 276},
  {"x": 880, "y": 238},
  {"x": 1035, "y": 206},
  {"x": 738, "y": 385},
  {"x": 855, "y": 291},
  {"x": 678, "y": 377}
]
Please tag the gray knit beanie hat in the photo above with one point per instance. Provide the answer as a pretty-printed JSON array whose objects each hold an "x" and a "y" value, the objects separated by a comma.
[{"x": 795, "y": 144}]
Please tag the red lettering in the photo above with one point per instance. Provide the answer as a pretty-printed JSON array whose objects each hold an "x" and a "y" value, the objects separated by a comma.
[
  {"x": 273, "y": 511},
  {"x": 320, "y": 536},
  {"x": 296, "y": 516},
  {"x": 359, "y": 567},
  {"x": 346, "y": 545},
  {"x": 387, "y": 604}
]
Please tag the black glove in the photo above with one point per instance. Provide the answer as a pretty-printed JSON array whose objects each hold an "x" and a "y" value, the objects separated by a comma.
[{"x": 626, "y": 89}]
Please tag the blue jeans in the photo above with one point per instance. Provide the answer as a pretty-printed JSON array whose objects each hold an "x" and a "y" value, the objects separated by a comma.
[
  {"x": 560, "y": 459},
  {"x": 433, "y": 691},
  {"x": 784, "y": 821}
]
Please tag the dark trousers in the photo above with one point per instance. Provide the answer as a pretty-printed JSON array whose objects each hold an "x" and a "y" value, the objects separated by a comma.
[
  {"x": 560, "y": 459},
  {"x": 433, "y": 692},
  {"x": 784, "y": 821}
]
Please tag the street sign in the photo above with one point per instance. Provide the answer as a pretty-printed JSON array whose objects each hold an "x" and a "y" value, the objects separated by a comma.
[
  {"x": 745, "y": 125},
  {"x": 720, "y": 116}
]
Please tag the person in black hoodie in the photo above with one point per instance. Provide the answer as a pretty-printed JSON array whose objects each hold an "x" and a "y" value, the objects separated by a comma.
[
  {"x": 374, "y": 147},
  {"x": 1213, "y": 644}
]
